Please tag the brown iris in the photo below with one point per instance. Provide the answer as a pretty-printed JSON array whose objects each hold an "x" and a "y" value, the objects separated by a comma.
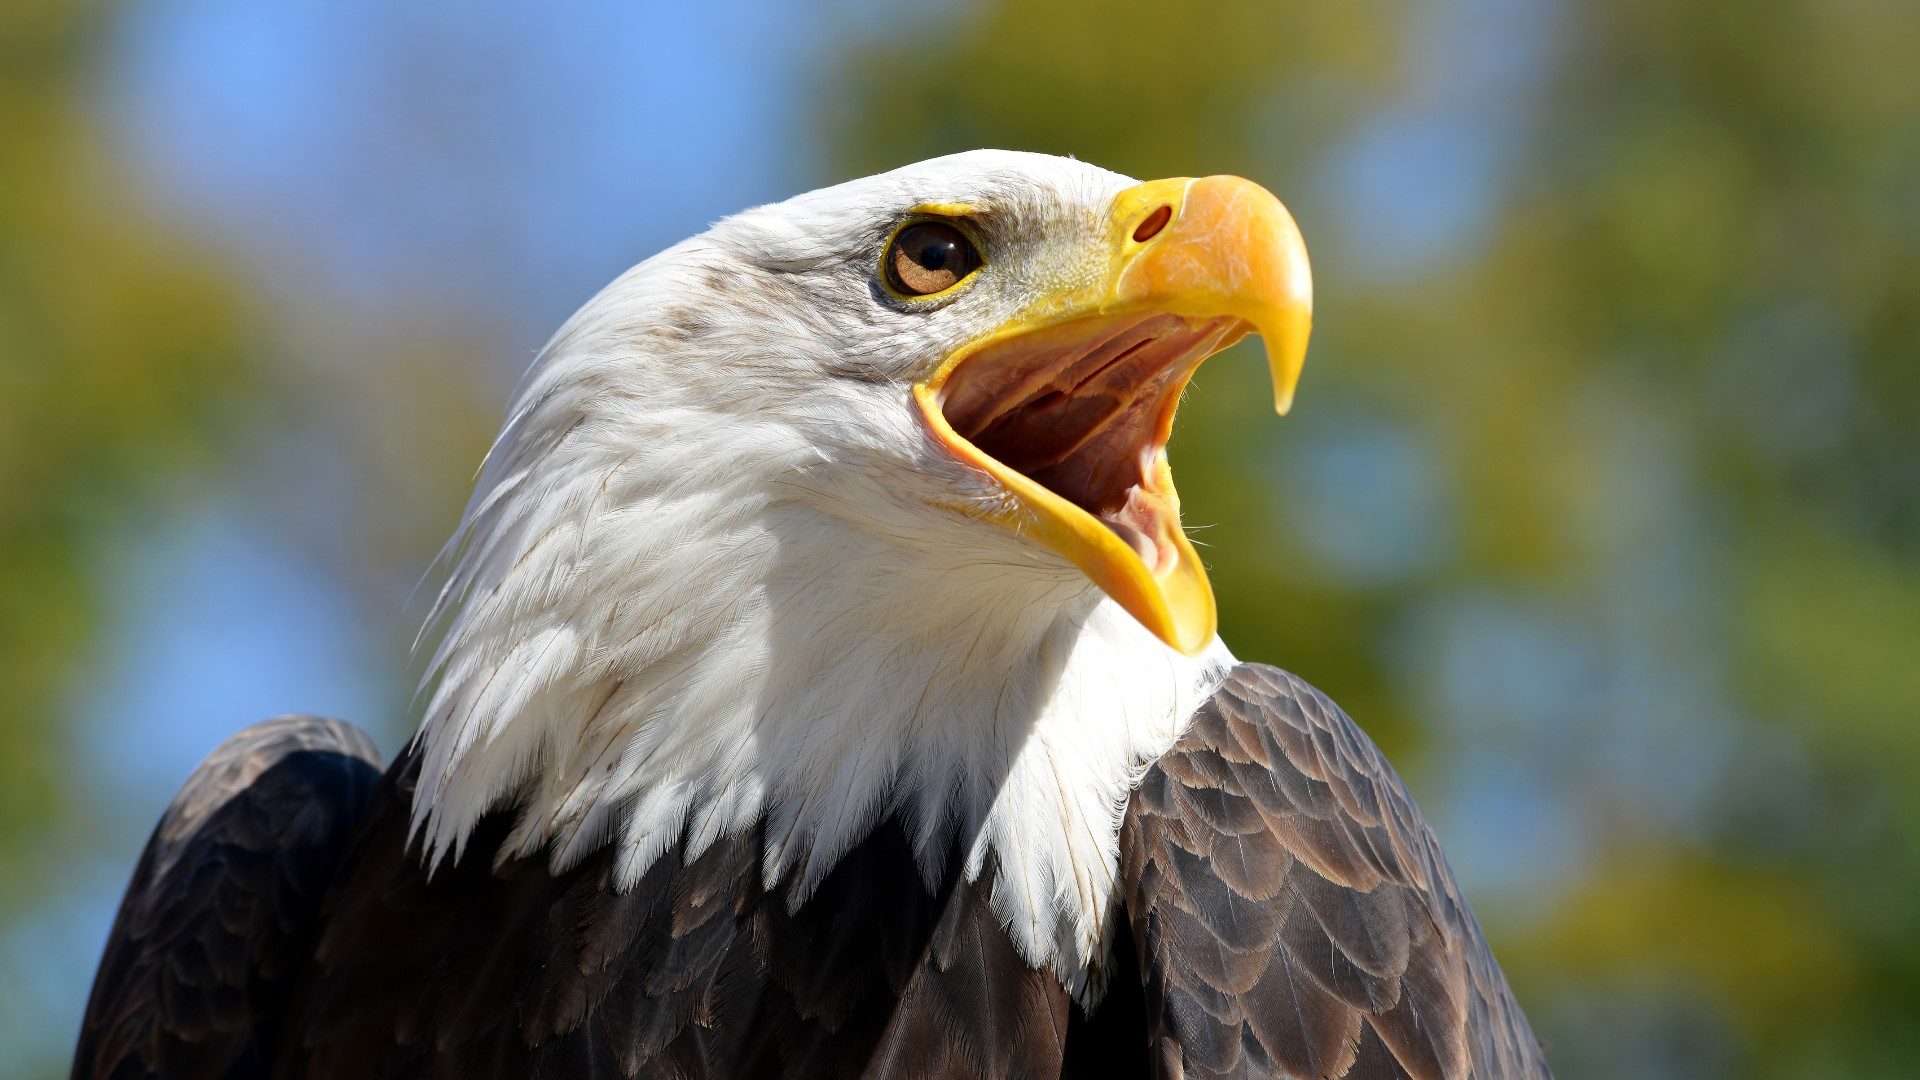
[{"x": 928, "y": 256}]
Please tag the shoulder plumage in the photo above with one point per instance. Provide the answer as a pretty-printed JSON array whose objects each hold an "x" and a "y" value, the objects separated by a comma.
[
  {"x": 1292, "y": 910},
  {"x": 221, "y": 908}
]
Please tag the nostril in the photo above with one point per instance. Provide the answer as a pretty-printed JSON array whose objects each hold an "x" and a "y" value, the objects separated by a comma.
[{"x": 1151, "y": 227}]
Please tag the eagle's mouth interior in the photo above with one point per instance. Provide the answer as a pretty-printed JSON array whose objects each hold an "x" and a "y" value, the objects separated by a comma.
[{"x": 1083, "y": 408}]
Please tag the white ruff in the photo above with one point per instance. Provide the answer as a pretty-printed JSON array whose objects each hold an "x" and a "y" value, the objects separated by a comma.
[{"x": 716, "y": 574}]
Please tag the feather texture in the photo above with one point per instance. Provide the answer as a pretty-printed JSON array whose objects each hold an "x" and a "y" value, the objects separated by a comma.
[
  {"x": 1294, "y": 913},
  {"x": 1291, "y": 913},
  {"x": 219, "y": 917},
  {"x": 482, "y": 970}
]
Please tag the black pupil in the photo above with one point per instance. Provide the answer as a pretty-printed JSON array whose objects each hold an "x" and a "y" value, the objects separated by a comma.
[{"x": 934, "y": 255}]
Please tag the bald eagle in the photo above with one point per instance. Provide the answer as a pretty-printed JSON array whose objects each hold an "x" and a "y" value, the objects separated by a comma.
[{"x": 825, "y": 687}]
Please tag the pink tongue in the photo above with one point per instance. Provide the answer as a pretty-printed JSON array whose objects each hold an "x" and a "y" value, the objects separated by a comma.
[{"x": 1129, "y": 523}]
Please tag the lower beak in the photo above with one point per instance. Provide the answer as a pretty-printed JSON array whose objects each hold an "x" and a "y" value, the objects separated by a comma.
[{"x": 1069, "y": 407}]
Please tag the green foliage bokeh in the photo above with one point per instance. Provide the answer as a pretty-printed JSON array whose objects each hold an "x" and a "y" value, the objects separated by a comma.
[{"x": 122, "y": 363}]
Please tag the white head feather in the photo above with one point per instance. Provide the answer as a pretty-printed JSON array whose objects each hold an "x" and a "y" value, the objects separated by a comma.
[{"x": 714, "y": 574}]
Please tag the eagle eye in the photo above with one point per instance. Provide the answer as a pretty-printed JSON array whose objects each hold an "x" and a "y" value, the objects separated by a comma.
[{"x": 928, "y": 256}]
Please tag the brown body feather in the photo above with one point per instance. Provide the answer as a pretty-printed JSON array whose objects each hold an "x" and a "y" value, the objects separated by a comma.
[
  {"x": 219, "y": 917},
  {"x": 1291, "y": 916},
  {"x": 1294, "y": 910}
]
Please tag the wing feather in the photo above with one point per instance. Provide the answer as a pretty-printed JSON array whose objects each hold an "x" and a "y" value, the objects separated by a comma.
[
  {"x": 1293, "y": 914},
  {"x": 221, "y": 908}
]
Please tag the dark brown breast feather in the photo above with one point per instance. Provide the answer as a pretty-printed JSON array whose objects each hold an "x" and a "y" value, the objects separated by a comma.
[
  {"x": 1294, "y": 914},
  {"x": 478, "y": 972},
  {"x": 219, "y": 915}
]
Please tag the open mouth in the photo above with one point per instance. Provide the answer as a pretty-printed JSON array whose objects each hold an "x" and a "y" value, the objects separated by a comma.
[
  {"x": 1084, "y": 408},
  {"x": 1069, "y": 406}
]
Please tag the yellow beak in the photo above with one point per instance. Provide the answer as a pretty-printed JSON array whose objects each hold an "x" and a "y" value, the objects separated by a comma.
[{"x": 1191, "y": 266}]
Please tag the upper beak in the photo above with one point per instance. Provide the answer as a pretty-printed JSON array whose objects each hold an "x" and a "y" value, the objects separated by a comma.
[
  {"x": 1230, "y": 248},
  {"x": 1220, "y": 256}
]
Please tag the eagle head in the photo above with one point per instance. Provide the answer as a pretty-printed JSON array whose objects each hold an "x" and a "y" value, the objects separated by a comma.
[{"x": 853, "y": 505}]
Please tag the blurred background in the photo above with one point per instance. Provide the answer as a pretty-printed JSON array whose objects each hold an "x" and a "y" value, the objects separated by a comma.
[{"x": 1600, "y": 506}]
